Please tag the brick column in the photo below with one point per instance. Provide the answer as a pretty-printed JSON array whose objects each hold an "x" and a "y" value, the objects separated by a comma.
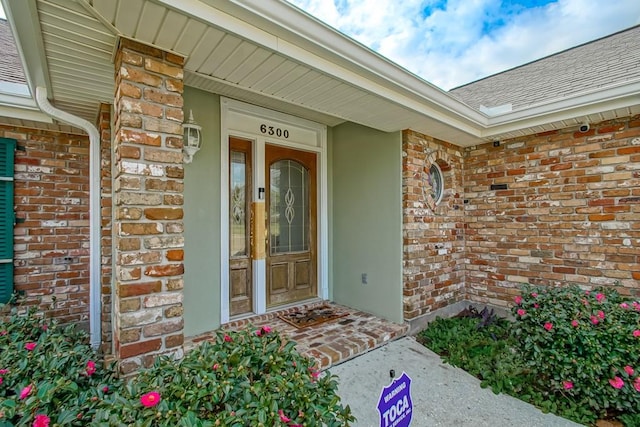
[
  {"x": 106, "y": 230},
  {"x": 148, "y": 199}
]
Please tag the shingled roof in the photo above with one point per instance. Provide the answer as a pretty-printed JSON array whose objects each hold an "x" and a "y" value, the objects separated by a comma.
[
  {"x": 10, "y": 64},
  {"x": 604, "y": 62}
]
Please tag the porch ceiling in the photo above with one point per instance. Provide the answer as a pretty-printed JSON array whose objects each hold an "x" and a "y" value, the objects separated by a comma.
[{"x": 238, "y": 49}]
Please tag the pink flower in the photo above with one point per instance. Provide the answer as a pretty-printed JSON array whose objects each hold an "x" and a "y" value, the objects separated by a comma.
[
  {"x": 518, "y": 299},
  {"x": 150, "y": 399},
  {"x": 568, "y": 385},
  {"x": 215, "y": 366},
  {"x": 575, "y": 323},
  {"x": 533, "y": 294},
  {"x": 587, "y": 292},
  {"x": 3, "y": 333},
  {"x": 536, "y": 305},
  {"x": 601, "y": 314},
  {"x": 263, "y": 331},
  {"x": 91, "y": 367},
  {"x": 599, "y": 297},
  {"x": 548, "y": 326},
  {"x": 595, "y": 320},
  {"x": 629, "y": 370},
  {"x": 41, "y": 420},
  {"x": 636, "y": 384},
  {"x": 624, "y": 305},
  {"x": 314, "y": 374},
  {"x": 44, "y": 327},
  {"x": 616, "y": 382},
  {"x": 105, "y": 389},
  {"x": 30, "y": 346},
  {"x": 1, "y": 380},
  {"x": 283, "y": 417},
  {"x": 3, "y": 371},
  {"x": 227, "y": 338},
  {"x": 636, "y": 333},
  {"x": 521, "y": 312},
  {"x": 25, "y": 391}
]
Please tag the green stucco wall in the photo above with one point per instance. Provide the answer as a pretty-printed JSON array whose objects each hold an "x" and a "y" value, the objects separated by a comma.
[
  {"x": 202, "y": 218},
  {"x": 366, "y": 168}
]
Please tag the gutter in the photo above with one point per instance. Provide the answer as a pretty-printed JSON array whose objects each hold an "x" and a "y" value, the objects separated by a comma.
[{"x": 94, "y": 207}]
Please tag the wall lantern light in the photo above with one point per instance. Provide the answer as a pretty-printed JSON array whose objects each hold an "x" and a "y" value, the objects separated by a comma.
[{"x": 192, "y": 138}]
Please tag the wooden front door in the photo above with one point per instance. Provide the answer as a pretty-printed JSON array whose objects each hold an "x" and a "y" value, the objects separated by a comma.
[
  {"x": 240, "y": 191},
  {"x": 291, "y": 264}
]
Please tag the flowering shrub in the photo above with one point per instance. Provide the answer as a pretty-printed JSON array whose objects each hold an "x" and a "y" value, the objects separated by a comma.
[
  {"x": 582, "y": 348},
  {"x": 48, "y": 374},
  {"x": 252, "y": 377}
]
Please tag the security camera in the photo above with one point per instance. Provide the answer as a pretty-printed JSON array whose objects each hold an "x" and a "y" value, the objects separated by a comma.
[{"x": 584, "y": 127}]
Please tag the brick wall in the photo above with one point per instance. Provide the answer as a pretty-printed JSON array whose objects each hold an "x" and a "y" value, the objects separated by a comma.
[
  {"x": 51, "y": 238},
  {"x": 570, "y": 212},
  {"x": 148, "y": 198},
  {"x": 433, "y": 235}
]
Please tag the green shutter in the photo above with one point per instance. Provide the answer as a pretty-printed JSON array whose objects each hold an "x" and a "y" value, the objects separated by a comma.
[{"x": 7, "y": 149}]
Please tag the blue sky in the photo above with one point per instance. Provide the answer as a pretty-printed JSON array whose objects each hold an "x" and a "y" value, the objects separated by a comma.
[{"x": 452, "y": 42}]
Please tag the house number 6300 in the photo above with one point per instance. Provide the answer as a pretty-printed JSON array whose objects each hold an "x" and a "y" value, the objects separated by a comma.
[{"x": 270, "y": 130}]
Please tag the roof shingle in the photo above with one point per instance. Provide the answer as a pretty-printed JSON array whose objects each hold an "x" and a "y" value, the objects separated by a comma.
[
  {"x": 604, "y": 62},
  {"x": 10, "y": 64}
]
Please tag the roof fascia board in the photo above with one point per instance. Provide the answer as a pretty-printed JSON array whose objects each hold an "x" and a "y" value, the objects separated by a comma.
[
  {"x": 417, "y": 103},
  {"x": 17, "y": 101},
  {"x": 25, "y": 25},
  {"x": 24, "y": 114},
  {"x": 612, "y": 98},
  {"x": 17, "y": 89}
]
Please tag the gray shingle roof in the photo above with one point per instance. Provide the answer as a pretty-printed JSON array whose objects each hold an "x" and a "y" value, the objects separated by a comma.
[
  {"x": 10, "y": 64},
  {"x": 603, "y": 62}
]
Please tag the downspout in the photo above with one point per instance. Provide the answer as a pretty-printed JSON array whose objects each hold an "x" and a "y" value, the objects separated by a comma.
[{"x": 94, "y": 207}]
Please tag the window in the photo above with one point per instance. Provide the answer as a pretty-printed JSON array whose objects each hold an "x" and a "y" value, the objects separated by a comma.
[
  {"x": 7, "y": 148},
  {"x": 437, "y": 183}
]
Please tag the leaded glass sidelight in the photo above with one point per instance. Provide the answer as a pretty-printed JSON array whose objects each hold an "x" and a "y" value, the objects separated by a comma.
[
  {"x": 288, "y": 207},
  {"x": 238, "y": 204}
]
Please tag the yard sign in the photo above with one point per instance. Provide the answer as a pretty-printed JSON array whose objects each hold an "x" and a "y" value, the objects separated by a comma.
[{"x": 395, "y": 404}]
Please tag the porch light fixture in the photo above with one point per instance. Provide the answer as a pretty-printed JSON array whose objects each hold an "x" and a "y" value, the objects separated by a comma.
[{"x": 192, "y": 138}]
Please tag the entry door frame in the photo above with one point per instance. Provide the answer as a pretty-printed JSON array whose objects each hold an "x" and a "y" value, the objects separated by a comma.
[{"x": 246, "y": 121}]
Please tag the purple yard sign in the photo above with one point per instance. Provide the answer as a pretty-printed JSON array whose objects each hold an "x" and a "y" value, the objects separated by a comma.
[{"x": 395, "y": 404}]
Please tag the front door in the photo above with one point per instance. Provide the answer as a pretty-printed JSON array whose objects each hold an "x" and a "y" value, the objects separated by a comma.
[
  {"x": 273, "y": 241},
  {"x": 291, "y": 225}
]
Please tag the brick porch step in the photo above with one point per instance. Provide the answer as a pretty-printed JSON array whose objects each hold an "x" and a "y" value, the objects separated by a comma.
[{"x": 329, "y": 343}]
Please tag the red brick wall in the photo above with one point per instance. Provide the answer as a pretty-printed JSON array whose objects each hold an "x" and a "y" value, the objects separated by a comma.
[
  {"x": 433, "y": 235},
  {"x": 570, "y": 212},
  {"x": 52, "y": 244}
]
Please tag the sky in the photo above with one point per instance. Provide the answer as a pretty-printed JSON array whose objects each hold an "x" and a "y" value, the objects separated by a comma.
[{"x": 453, "y": 42}]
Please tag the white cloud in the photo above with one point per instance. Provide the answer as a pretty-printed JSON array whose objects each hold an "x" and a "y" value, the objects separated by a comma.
[
  {"x": 2, "y": 15},
  {"x": 453, "y": 42}
]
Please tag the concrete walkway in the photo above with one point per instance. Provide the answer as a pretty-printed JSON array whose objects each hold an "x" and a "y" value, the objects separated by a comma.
[{"x": 442, "y": 395}]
